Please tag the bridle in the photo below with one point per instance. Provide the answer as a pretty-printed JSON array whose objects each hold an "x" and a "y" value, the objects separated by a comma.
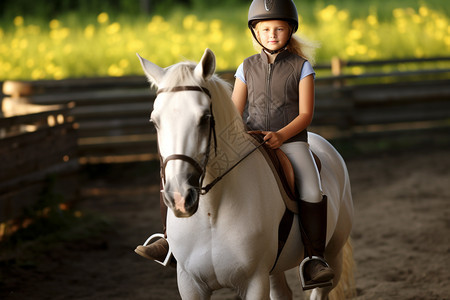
[{"x": 200, "y": 167}]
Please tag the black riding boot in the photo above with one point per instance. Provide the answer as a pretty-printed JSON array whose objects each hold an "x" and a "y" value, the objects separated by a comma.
[{"x": 314, "y": 270}]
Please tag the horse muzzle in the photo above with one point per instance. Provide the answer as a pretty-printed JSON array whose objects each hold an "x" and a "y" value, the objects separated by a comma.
[{"x": 183, "y": 199}]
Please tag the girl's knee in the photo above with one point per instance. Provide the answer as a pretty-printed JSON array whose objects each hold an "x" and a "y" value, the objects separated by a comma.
[{"x": 313, "y": 196}]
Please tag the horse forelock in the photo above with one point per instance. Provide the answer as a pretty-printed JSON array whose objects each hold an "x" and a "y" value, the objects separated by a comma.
[
  {"x": 182, "y": 74},
  {"x": 179, "y": 74}
]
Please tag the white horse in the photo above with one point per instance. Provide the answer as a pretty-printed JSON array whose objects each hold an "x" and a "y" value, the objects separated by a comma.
[{"x": 226, "y": 235}]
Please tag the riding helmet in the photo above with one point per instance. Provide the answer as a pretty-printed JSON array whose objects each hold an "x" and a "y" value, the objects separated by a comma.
[{"x": 273, "y": 10}]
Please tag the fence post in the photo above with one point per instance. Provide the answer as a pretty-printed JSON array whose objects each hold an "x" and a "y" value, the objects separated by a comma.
[
  {"x": 16, "y": 89},
  {"x": 337, "y": 65}
]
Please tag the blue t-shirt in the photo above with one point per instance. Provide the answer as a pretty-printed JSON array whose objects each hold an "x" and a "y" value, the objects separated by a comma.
[{"x": 306, "y": 70}]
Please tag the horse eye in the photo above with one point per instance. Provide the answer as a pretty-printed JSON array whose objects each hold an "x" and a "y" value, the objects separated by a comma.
[{"x": 205, "y": 119}]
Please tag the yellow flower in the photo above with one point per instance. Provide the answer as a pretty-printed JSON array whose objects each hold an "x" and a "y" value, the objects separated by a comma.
[
  {"x": 58, "y": 74},
  {"x": 113, "y": 28},
  {"x": 215, "y": 25},
  {"x": 124, "y": 63},
  {"x": 89, "y": 31},
  {"x": 201, "y": 26},
  {"x": 49, "y": 56},
  {"x": 30, "y": 63},
  {"x": 23, "y": 44},
  {"x": 115, "y": 71},
  {"x": 60, "y": 34},
  {"x": 102, "y": 18},
  {"x": 355, "y": 34},
  {"x": 447, "y": 41},
  {"x": 417, "y": 19},
  {"x": 343, "y": 15},
  {"x": 50, "y": 68},
  {"x": 362, "y": 49},
  {"x": 357, "y": 70},
  {"x": 33, "y": 30},
  {"x": 6, "y": 66},
  {"x": 372, "y": 20},
  {"x": 67, "y": 49},
  {"x": 398, "y": 13},
  {"x": 135, "y": 45},
  {"x": 42, "y": 47},
  {"x": 440, "y": 23},
  {"x": 372, "y": 54},
  {"x": 157, "y": 19},
  {"x": 402, "y": 25},
  {"x": 175, "y": 50},
  {"x": 358, "y": 23},
  {"x": 18, "y": 21},
  {"x": 328, "y": 13},
  {"x": 37, "y": 74},
  {"x": 351, "y": 51},
  {"x": 189, "y": 21},
  {"x": 423, "y": 11},
  {"x": 418, "y": 52},
  {"x": 54, "y": 24},
  {"x": 229, "y": 45}
]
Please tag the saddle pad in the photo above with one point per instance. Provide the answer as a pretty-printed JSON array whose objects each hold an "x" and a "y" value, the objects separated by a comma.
[{"x": 283, "y": 171}]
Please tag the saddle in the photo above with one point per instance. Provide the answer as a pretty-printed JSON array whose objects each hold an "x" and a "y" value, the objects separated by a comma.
[{"x": 283, "y": 171}]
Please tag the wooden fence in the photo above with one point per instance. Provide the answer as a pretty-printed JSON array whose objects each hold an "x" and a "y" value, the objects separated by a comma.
[
  {"x": 111, "y": 114},
  {"x": 47, "y": 128},
  {"x": 35, "y": 149}
]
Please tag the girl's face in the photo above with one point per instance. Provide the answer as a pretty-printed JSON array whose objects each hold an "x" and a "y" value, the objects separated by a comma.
[{"x": 273, "y": 34}]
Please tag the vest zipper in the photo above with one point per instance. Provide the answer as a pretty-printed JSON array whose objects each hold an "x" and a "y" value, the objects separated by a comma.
[{"x": 269, "y": 95}]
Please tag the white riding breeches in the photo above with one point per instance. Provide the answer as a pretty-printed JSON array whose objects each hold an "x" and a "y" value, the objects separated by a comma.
[{"x": 307, "y": 178}]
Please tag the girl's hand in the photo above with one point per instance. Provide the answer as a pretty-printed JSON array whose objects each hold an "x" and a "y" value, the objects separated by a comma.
[{"x": 273, "y": 139}]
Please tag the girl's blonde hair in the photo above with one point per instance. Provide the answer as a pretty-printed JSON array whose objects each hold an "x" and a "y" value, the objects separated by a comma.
[{"x": 297, "y": 45}]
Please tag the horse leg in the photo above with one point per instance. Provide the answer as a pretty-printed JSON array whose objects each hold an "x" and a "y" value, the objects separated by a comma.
[
  {"x": 258, "y": 288},
  {"x": 190, "y": 289},
  {"x": 279, "y": 288}
]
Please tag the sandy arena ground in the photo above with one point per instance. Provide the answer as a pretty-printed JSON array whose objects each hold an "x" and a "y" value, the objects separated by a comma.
[{"x": 401, "y": 238}]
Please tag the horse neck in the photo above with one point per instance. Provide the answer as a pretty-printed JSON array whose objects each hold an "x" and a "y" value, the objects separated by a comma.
[{"x": 233, "y": 142}]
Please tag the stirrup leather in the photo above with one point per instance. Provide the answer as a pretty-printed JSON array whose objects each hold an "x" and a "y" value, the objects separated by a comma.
[
  {"x": 169, "y": 253},
  {"x": 312, "y": 285}
]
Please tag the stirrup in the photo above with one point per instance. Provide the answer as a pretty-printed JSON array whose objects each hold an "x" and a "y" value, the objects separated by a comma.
[
  {"x": 313, "y": 285},
  {"x": 169, "y": 253}
]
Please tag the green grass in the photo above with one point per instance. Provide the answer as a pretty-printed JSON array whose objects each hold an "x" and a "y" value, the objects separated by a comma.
[{"x": 104, "y": 44}]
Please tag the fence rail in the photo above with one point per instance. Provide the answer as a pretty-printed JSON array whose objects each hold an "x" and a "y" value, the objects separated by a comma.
[
  {"x": 48, "y": 127},
  {"x": 111, "y": 114}
]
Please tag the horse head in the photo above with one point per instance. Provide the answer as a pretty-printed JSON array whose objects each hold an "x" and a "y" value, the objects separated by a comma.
[{"x": 182, "y": 116}]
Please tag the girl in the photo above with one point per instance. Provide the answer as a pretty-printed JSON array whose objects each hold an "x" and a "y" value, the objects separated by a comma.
[{"x": 278, "y": 87}]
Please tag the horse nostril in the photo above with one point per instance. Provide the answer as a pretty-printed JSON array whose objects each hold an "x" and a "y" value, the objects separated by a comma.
[{"x": 191, "y": 196}]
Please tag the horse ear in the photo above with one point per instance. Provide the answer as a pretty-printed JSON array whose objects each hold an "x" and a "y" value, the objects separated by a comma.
[
  {"x": 207, "y": 65},
  {"x": 153, "y": 72}
]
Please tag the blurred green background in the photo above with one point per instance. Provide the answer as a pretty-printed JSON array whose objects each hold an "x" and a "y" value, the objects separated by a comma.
[{"x": 90, "y": 38}]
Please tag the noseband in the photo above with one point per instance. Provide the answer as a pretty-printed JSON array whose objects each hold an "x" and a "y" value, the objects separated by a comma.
[{"x": 201, "y": 168}]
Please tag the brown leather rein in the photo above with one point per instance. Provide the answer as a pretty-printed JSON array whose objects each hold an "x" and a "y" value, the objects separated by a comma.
[{"x": 200, "y": 167}]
